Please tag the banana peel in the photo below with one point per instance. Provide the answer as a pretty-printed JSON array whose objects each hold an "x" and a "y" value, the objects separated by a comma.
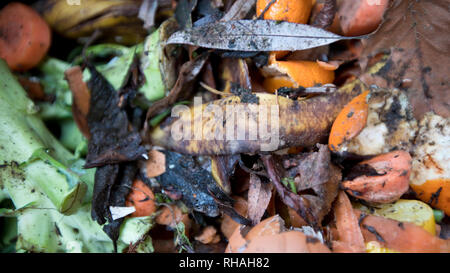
[
  {"x": 302, "y": 123},
  {"x": 117, "y": 20}
]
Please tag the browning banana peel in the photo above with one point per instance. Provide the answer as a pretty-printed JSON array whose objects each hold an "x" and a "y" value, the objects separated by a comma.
[
  {"x": 116, "y": 20},
  {"x": 301, "y": 123}
]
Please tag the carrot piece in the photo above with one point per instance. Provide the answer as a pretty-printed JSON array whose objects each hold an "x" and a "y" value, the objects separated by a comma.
[
  {"x": 400, "y": 236},
  {"x": 350, "y": 236},
  {"x": 436, "y": 192},
  {"x": 395, "y": 168},
  {"x": 142, "y": 198},
  {"x": 24, "y": 36},
  {"x": 350, "y": 122}
]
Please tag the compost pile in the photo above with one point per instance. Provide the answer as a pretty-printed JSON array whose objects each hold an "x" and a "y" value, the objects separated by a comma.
[{"x": 225, "y": 126}]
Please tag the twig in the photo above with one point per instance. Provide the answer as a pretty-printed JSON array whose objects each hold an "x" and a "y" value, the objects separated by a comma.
[
  {"x": 97, "y": 33},
  {"x": 214, "y": 91}
]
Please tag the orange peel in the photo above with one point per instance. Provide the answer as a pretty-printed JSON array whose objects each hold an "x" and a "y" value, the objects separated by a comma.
[
  {"x": 297, "y": 11},
  {"x": 294, "y": 74}
]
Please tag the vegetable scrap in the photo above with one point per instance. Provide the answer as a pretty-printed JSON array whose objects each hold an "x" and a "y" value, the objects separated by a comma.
[{"x": 263, "y": 126}]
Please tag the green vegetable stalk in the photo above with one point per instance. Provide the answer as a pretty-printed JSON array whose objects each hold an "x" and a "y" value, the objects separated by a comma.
[
  {"x": 50, "y": 191},
  {"x": 30, "y": 147}
]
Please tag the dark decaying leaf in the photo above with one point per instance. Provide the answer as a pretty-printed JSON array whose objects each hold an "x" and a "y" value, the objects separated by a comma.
[
  {"x": 185, "y": 176},
  {"x": 325, "y": 17},
  {"x": 259, "y": 194},
  {"x": 207, "y": 12},
  {"x": 316, "y": 179},
  {"x": 112, "y": 185},
  {"x": 255, "y": 35},
  {"x": 183, "y": 12},
  {"x": 223, "y": 168},
  {"x": 198, "y": 189},
  {"x": 416, "y": 34},
  {"x": 113, "y": 145},
  {"x": 113, "y": 140}
]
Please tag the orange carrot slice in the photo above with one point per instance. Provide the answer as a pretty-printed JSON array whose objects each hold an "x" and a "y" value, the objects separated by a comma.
[
  {"x": 142, "y": 198},
  {"x": 350, "y": 236},
  {"x": 436, "y": 192},
  {"x": 400, "y": 236},
  {"x": 350, "y": 122},
  {"x": 392, "y": 182}
]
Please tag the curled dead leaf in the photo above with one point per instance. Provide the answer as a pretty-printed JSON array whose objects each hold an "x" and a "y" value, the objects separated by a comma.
[
  {"x": 316, "y": 181},
  {"x": 259, "y": 195}
]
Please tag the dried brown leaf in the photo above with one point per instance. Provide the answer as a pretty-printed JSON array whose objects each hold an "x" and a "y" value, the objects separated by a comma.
[
  {"x": 325, "y": 17},
  {"x": 315, "y": 198},
  {"x": 259, "y": 195},
  {"x": 415, "y": 33},
  {"x": 309, "y": 170}
]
